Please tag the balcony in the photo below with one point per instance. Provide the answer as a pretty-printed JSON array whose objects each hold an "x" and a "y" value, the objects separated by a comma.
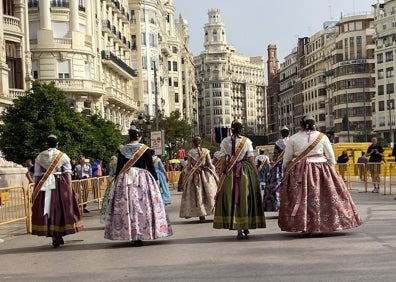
[
  {"x": 117, "y": 64},
  {"x": 95, "y": 88},
  {"x": 119, "y": 98},
  {"x": 12, "y": 25}
]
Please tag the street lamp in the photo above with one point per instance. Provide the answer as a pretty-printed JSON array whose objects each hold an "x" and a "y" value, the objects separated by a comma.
[
  {"x": 390, "y": 112},
  {"x": 144, "y": 126}
]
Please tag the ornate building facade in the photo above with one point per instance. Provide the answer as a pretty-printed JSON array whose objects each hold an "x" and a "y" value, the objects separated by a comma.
[{"x": 229, "y": 85}]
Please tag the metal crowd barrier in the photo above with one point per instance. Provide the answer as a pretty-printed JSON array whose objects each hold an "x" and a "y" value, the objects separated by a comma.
[{"x": 16, "y": 205}]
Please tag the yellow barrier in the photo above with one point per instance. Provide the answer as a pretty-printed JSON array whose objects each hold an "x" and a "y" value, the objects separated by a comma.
[{"x": 17, "y": 207}]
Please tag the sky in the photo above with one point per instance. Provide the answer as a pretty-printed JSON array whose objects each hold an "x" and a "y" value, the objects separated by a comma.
[{"x": 251, "y": 25}]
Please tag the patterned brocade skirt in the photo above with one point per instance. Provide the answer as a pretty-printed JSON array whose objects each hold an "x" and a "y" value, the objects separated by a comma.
[
  {"x": 316, "y": 201},
  {"x": 198, "y": 197},
  {"x": 136, "y": 211},
  {"x": 245, "y": 211},
  {"x": 65, "y": 215}
]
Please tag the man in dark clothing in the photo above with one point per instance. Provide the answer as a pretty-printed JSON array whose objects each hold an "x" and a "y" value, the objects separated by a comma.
[{"x": 376, "y": 153}]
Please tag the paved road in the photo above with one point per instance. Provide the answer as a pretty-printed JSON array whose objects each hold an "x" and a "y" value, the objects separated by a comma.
[{"x": 197, "y": 252}]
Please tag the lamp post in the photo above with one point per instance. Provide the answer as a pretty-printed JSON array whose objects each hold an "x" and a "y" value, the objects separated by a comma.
[
  {"x": 347, "y": 116},
  {"x": 143, "y": 125},
  {"x": 390, "y": 113}
]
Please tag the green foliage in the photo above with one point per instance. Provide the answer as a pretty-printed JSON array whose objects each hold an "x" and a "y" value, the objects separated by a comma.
[
  {"x": 175, "y": 128},
  {"x": 44, "y": 110}
]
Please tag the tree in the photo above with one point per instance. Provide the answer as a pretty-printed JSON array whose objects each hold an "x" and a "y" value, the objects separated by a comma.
[
  {"x": 176, "y": 129},
  {"x": 44, "y": 110}
]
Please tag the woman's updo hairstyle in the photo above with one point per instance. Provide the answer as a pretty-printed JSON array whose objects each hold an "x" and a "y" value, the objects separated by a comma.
[
  {"x": 197, "y": 141},
  {"x": 134, "y": 134},
  {"x": 236, "y": 126},
  {"x": 52, "y": 141},
  {"x": 308, "y": 122}
]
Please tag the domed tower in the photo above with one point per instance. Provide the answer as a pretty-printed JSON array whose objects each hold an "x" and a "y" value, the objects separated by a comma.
[{"x": 215, "y": 36}]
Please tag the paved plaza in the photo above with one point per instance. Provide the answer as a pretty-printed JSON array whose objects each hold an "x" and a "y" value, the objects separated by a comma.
[{"x": 197, "y": 252}]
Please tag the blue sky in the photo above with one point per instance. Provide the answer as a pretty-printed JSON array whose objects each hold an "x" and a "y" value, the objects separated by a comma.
[{"x": 251, "y": 25}]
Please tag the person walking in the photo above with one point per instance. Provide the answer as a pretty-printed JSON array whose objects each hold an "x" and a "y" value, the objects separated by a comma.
[
  {"x": 55, "y": 211},
  {"x": 30, "y": 171},
  {"x": 160, "y": 170},
  {"x": 199, "y": 183},
  {"x": 238, "y": 200},
  {"x": 133, "y": 206},
  {"x": 362, "y": 162},
  {"x": 343, "y": 161},
  {"x": 375, "y": 152},
  {"x": 271, "y": 199},
  {"x": 83, "y": 171},
  {"x": 263, "y": 165},
  {"x": 314, "y": 198}
]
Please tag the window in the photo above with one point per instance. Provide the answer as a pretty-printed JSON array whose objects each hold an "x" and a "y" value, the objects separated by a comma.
[
  {"x": 87, "y": 70},
  {"x": 169, "y": 65},
  {"x": 380, "y": 74},
  {"x": 144, "y": 63},
  {"x": 176, "y": 97},
  {"x": 35, "y": 69},
  {"x": 174, "y": 66},
  {"x": 174, "y": 50},
  {"x": 359, "y": 25},
  {"x": 390, "y": 88},
  {"x": 389, "y": 72},
  {"x": 380, "y": 58},
  {"x": 358, "y": 40},
  {"x": 380, "y": 90},
  {"x": 389, "y": 56},
  {"x": 381, "y": 106},
  {"x": 63, "y": 69},
  {"x": 143, "y": 38},
  {"x": 153, "y": 40}
]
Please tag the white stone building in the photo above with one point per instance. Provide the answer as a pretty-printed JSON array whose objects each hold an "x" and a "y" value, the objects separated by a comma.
[{"x": 229, "y": 85}]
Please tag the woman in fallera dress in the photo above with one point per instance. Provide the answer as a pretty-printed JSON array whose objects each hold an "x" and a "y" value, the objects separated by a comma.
[
  {"x": 314, "y": 198},
  {"x": 135, "y": 208},
  {"x": 238, "y": 201},
  {"x": 199, "y": 183},
  {"x": 55, "y": 211}
]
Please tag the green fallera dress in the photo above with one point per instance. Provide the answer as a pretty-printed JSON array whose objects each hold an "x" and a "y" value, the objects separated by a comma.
[{"x": 239, "y": 204}]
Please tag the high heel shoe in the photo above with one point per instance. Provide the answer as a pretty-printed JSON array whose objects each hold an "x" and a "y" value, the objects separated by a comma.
[
  {"x": 246, "y": 233},
  {"x": 240, "y": 235}
]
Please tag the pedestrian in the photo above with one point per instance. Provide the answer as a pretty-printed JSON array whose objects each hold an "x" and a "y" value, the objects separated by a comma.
[
  {"x": 271, "y": 199},
  {"x": 30, "y": 171},
  {"x": 55, "y": 211},
  {"x": 343, "y": 161},
  {"x": 199, "y": 183},
  {"x": 97, "y": 168},
  {"x": 362, "y": 162},
  {"x": 263, "y": 165},
  {"x": 134, "y": 207},
  {"x": 163, "y": 183},
  {"x": 375, "y": 152},
  {"x": 112, "y": 167},
  {"x": 238, "y": 200},
  {"x": 314, "y": 199},
  {"x": 83, "y": 172}
]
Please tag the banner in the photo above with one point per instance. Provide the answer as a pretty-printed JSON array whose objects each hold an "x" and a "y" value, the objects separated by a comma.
[{"x": 157, "y": 142}]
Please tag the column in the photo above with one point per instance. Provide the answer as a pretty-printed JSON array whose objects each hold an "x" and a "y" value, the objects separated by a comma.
[
  {"x": 73, "y": 16},
  {"x": 45, "y": 34},
  {"x": 4, "y": 86},
  {"x": 45, "y": 15},
  {"x": 88, "y": 11}
]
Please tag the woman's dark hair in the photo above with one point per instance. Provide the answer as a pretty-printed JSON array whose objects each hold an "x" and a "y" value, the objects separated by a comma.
[
  {"x": 236, "y": 127},
  {"x": 197, "y": 141},
  {"x": 134, "y": 134},
  {"x": 308, "y": 123},
  {"x": 152, "y": 151},
  {"x": 52, "y": 141}
]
